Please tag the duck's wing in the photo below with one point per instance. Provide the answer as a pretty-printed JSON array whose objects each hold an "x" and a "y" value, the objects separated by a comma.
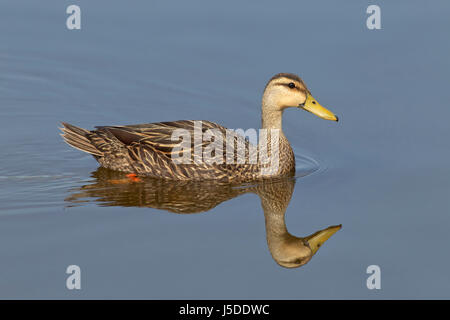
[
  {"x": 152, "y": 147},
  {"x": 163, "y": 137}
]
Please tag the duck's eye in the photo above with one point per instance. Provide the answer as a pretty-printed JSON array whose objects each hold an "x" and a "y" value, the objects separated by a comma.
[{"x": 291, "y": 85}]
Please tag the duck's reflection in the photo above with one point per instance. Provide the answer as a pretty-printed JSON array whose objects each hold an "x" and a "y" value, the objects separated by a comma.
[{"x": 111, "y": 188}]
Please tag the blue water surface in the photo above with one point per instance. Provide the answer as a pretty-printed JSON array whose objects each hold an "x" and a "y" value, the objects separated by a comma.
[{"x": 382, "y": 172}]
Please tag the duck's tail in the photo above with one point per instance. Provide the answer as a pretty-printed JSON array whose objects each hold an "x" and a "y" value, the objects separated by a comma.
[{"x": 79, "y": 139}]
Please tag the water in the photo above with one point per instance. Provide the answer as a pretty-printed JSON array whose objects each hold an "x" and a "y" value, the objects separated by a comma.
[{"x": 382, "y": 171}]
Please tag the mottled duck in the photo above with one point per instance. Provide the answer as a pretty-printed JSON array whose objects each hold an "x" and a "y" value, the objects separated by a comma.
[{"x": 150, "y": 149}]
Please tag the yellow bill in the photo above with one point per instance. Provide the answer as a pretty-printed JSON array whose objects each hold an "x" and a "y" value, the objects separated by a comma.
[
  {"x": 316, "y": 240},
  {"x": 313, "y": 106}
]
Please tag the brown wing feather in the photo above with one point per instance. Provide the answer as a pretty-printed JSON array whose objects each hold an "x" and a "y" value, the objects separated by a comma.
[{"x": 150, "y": 148}]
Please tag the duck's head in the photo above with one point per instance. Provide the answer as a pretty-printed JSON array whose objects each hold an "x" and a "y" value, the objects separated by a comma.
[
  {"x": 286, "y": 90},
  {"x": 294, "y": 252}
]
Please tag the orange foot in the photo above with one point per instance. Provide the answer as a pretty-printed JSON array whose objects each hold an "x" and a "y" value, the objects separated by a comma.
[{"x": 133, "y": 177}]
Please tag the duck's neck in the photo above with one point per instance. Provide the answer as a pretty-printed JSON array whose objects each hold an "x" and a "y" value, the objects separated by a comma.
[
  {"x": 272, "y": 116},
  {"x": 272, "y": 119}
]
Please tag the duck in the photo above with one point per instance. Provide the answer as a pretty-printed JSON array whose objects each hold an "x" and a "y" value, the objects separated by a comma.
[
  {"x": 171, "y": 150},
  {"x": 110, "y": 188}
]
